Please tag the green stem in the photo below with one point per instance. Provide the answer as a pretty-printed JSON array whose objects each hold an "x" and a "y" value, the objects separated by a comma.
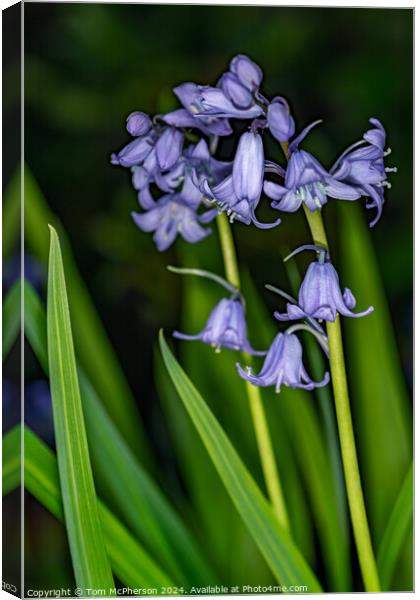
[
  {"x": 259, "y": 419},
  {"x": 345, "y": 428}
]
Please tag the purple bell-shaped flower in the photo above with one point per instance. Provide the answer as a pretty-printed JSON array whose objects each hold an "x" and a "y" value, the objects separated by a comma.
[{"x": 283, "y": 366}]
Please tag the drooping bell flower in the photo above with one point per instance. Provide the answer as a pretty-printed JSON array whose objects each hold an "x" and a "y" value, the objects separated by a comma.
[
  {"x": 283, "y": 366},
  {"x": 239, "y": 194},
  {"x": 189, "y": 94},
  {"x": 136, "y": 152},
  {"x": 247, "y": 71},
  {"x": 173, "y": 214},
  {"x": 363, "y": 167},
  {"x": 138, "y": 123},
  {"x": 280, "y": 121},
  {"x": 214, "y": 102},
  {"x": 307, "y": 182},
  {"x": 320, "y": 295},
  {"x": 235, "y": 91},
  {"x": 169, "y": 147},
  {"x": 225, "y": 328}
]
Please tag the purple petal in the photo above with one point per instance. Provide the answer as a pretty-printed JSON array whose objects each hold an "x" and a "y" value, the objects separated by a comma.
[{"x": 169, "y": 147}]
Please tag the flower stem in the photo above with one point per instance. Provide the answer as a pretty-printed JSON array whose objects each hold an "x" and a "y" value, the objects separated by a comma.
[
  {"x": 345, "y": 428},
  {"x": 265, "y": 448}
]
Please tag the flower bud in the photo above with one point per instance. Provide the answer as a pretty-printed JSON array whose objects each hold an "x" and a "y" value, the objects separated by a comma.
[
  {"x": 235, "y": 91},
  {"x": 248, "y": 72},
  {"x": 280, "y": 121},
  {"x": 138, "y": 123}
]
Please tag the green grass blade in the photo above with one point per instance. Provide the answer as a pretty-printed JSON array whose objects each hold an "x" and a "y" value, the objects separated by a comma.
[
  {"x": 378, "y": 391},
  {"x": 143, "y": 505},
  {"x": 284, "y": 559},
  {"x": 84, "y": 531},
  {"x": 11, "y": 459},
  {"x": 295, "y": 412},
  {"x": 11, "y": 215},
  {"x": 93, "y": 347},
  {"x": 396, "y": 531},
  {"x": 131, "y": 564},
  {"x": 11, "y": 317},
  {"x": 139, "y": 500}
]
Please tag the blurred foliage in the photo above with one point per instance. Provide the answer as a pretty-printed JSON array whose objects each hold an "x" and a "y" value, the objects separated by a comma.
[{"x": 87, "y": 66}]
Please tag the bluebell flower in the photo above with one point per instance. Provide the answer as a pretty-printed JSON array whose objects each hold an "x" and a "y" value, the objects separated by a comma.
[
  {"x": 189, "y": 94},
  {"x": 138, "y": 123},
  {"x": 320, "y": 296},
  {"x": 174, "y": 213},
  {"x": 136, "y": 152},
  {"x": 169, "y": 147},
  {"x": 239, "y": 193},
  {"x": 235, "y": 91},
  {"x": 363, "y": 167},
  {"x": 225, "y": 328},
  {"x": 307, "y": 182},
  {"x": 279, "y": 120},
  {"x": 247, "y": 71},
  {"x": 214, "y": 102},
  {"x": 283, "y": 366}
]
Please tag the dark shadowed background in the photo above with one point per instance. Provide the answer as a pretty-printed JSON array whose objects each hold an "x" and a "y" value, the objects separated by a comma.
[{"x": 88, "y": 66}]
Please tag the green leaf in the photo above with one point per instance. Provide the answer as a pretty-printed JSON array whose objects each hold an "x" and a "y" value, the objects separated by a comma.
[
  {"x": 140, "y": 502},
  {"x": 396, "y": 531},
  {"x": 11, "y": 459},
  {"x": 284, "y": 559},
  {"x": 131, "y": 564},
  {"x": 84, "y": 531},
  {"x": 295, "y": 411},
  {"x": 246, "y": 566},
  {"x": 378, "y": 390},
  {"x": 93, "y": 347},
  {"x": 11, "y": 317}
]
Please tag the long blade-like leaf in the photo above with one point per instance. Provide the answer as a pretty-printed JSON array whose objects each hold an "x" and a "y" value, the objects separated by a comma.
[
  {"x": 139, "y": 500},
  {"x": 285, "y": 561},
  {"x": 129, "y": 561},
  {"x": 11, "y": 214},
  {"x": 94, "y": 349},
  {"x": 84, "y": 530},
  {"x": 295, "y": 411},
  {"x": 396, "y": 531},
  {"x": 378, "y": 391},
  {"x": 11, "y": 317}
]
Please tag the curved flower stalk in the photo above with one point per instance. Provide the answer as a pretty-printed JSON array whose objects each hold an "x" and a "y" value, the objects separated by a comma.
[
  {"x": 283, "y": 366},
  {"x": 363, "y": 167},
  {"x": 226, "y": 325}
]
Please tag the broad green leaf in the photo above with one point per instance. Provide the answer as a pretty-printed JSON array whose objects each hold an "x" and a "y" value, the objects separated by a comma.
[
  {"x": 11, "y": 459},
  {"x": 93, "y": 347},
  {"x": 285, "y": 561},
  {"x": 296, "y": 411},
  {"x": 84, "y": 530},
  {"x": 11, "y": 214},
  {"x": 396, "y": 531},
  {"x": 139, "y": 500},
  {"x": 378, "y": 391},
  {"x": 11, "y": 317},
  {"x": 130, "y": 562}
]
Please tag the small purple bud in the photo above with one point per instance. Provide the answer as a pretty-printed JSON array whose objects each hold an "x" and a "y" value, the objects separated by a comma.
[
  {"x": 138, "y": 123},
  {"x": 280, "y": 121},
  {"x": 169, "y": 148},
  {"x": 248, "y": 167},
  {"x": 248, "y": 72},
  {"x": 238, "y": 94},
  {"x": 134, "y": 153}
]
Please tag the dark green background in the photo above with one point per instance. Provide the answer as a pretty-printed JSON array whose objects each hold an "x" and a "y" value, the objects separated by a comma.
[{"x": 88, "y": 66}]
